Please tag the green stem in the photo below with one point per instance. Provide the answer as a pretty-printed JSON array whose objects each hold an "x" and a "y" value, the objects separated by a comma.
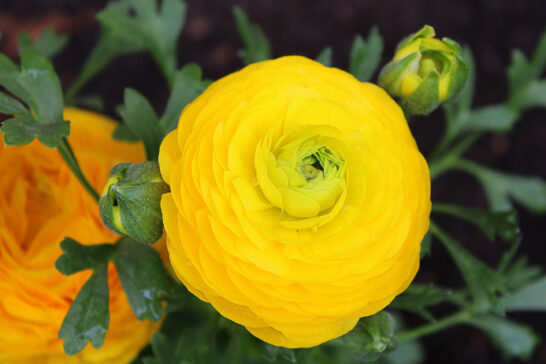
[
  {"x": 450, "y": 159},
  {"x": 68, "y": 155},
  {"x": 444, "y": 323}
]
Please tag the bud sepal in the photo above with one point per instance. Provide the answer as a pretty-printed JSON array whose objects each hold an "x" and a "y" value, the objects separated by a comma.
[
  {"x": 130, "y": 201},
  {"x": 425, "y": 72}
]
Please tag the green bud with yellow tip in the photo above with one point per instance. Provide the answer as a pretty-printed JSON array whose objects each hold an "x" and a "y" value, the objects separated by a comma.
[
  {"x": 130, "y": 201},
  {"x": 424, "y": 72}
]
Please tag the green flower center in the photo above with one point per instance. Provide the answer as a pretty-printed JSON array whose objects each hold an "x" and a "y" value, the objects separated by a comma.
[{"x": 319, "y": 164}]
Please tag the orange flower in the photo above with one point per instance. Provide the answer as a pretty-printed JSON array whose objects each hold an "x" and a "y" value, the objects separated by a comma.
[{"x": 42, "y": 203}]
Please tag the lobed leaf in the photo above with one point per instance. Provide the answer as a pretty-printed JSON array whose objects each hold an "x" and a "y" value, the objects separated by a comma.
[
  {"x": 166, "y": 350},
  {"x": 123, "y": 132},
  {"x": 50, "y": 43},
  {"x": 187, "y": 86},
  {"x": 535, "y": 95},
  {"x": 501, "y": 188},
  {"x": 407, "y": 352},
  {"x": 88, "y": 317},
  {"x": 92, "y": 102},
  {"x": 78, "y": 257},
  {"x": 491, "y": 223},
  {"x": 143, "y": 277},
  {"x": 23, "y": 130},
  {"x": 37, "y": 85},
  {"x": 484, "y": 283},
  {"x": 151, "y": 28},
  {"x": 531, "y": 297},
  {"x": 513, "y": 339},
  {"x": 521, "y": 274},
  {"x": 417, "y": 297},
  {"x": 522, "y": 73},
  {"x": 257, "y": 47},
  {"x": 11, "y": 106},
  {"x": 366, "y": 55},
  {"x": 494, "y": 118},
  {"x": 108, "y": 47},
  {"x": 141, "y": 119}
]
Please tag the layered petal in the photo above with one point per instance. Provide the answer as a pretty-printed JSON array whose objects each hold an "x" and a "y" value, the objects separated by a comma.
[{"x": 298, "y": 200}]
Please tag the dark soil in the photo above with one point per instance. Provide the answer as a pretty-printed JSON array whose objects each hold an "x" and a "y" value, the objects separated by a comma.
[{"x": 492, "y": 28}]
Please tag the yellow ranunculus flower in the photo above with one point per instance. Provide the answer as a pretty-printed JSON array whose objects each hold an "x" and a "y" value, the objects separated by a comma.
[
  {"x": 298, "y": 200},
  {"x": 42, "y": 203}
]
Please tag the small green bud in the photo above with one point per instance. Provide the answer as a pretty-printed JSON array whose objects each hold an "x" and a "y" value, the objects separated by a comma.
[
  {"x": 424, "y": 72},
  {"x": 130, "y": 201}
]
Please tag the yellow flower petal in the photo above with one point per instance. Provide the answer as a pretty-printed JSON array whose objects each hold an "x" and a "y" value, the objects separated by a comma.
[{"x": 298, "y": 200}]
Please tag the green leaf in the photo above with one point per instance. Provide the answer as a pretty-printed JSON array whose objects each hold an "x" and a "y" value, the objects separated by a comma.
[
  {"x": 426, "y": 245},
  {"x": 484, "y": 283},
  {"x": 93, "y": 102},
  {"x": 141, "y": 119},
  {"x": 535, "y": 95},
  {"x": 366, "y": 55},
  {"x": 78, "y": 257},
  {"x": 50, "y": 43},
  {"x": 503, "y": 224},
  {"x": 500, "y": 188},
  {"x": 108, "y": 47},
  {"x": 494, "y": 118},
  {"x": 88, "y": 317},
  {"x": 521, "y": 274},
  {"x": 155, "y": 29},
  {"x": 519, "y": 72},
  {"x": 123, "y": 132},
  {"x": 278, "y": 355},
  {"x": 513, "y": 339},
  {"x": 186, "y": 338},
  {"x": 23, "y": 41},
  {"x": 11, "y": 106},
  {"x": 522, "y": 73},
  {"x": 407, "y": 352},
  {"x": 36, "y": 84},
  {"x": 257, "y": 47},
  {"x": 417, "y": 297},
  {"x": 23, "y": 130},
  {"x": 530, "y": 298},
  {"x": 166, "y": 350},
  {"x": 187, "y": 86},
  {"x": 373, "y": 336},
  {"x": 325, "y": 57},
  {"x": 143, "y": 277}
]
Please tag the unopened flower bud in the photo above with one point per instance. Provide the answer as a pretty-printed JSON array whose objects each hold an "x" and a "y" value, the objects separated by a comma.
[
  {"x": 130, "y": 201},
  {"x": 424, "y": 72}
]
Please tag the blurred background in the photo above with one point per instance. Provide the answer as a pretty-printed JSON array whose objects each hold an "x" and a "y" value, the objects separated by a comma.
[{"x": 491, "y": 28}]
